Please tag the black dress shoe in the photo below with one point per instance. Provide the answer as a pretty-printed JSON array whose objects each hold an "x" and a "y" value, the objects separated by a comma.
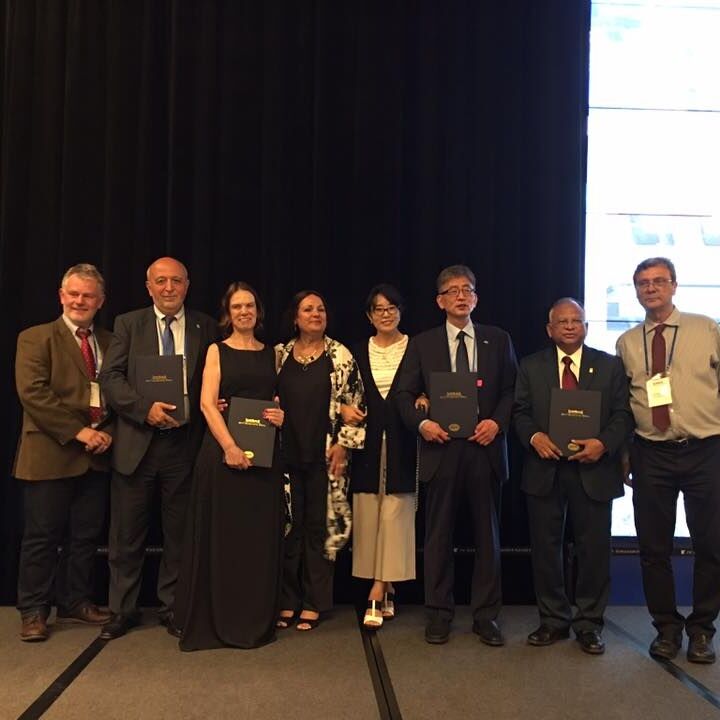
[
  {"x": 665, "y": 646},
  {"x": 489, "y": 632},
  {"x": 700, "y": 649},
  {"x": 547, "y": 635},
  {"x": 437, "y": 631},
  {"x": 118, "y": 626},
  {"x": 591, "y": 642},
  {"x": 168, "y": 620}
]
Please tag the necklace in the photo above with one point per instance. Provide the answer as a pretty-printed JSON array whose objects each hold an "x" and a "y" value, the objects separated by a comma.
[{"x": 306, "y": 359}]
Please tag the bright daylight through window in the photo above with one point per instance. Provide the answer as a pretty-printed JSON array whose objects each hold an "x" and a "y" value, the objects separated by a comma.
[{"x": 653, "y": 185}]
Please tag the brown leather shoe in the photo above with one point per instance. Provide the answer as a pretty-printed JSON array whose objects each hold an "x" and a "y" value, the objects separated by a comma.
[
  {"x": 34, "y": 628},
  {"x": 87, "y": 614}
]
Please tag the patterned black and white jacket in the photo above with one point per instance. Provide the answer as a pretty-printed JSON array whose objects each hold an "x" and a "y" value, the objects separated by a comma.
[{"x": 346, "y": 388}]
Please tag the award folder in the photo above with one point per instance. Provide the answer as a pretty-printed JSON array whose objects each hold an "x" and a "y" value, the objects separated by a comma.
[
  {"x": 160, "y": 378},
  {"x": 251, "y": 432},
  {"x": 574, "y": 414},
  {"x": 453, "y": 402}
]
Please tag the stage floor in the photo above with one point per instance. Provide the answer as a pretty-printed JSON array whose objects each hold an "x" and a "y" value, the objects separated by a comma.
[{"x": 339, "y": 671}]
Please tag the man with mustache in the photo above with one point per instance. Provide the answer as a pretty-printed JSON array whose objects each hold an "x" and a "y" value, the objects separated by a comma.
[
  {"x": 581, "y": 486},
  {"x": 153, "y": 452},
  {"x": 672, "y": 361}
]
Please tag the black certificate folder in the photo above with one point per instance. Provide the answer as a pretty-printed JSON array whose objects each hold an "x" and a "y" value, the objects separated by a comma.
[
  {"x": 574, "y": 414},
  {"x": 160, "y": 378},
  {"x": 251, "y": 432},
  {"x": 453, "y": 402}
]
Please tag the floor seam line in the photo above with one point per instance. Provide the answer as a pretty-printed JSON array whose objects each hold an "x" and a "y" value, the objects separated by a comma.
[
  {"x": 63, "y": 681},
  {"x": 684, "y": 678},
  {"x": 379, "y": 675}
]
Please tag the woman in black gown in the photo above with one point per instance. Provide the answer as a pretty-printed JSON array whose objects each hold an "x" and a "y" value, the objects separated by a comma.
[{"x": 230, "y": 576}]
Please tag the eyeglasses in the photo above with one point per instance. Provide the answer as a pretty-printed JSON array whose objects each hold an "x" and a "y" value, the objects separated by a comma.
[
  {"x": 654, "y": 282},
  {"x": 389, "y": 310},
  {"x": 568, "y": 323},
  {"x": 454, "y": 292}
]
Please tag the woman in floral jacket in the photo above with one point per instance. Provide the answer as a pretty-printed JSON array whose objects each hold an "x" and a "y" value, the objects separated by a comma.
[{"x": 317, "y": 376}]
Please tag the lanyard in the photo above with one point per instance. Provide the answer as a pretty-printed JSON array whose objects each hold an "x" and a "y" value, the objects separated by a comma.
[
  {"x": 96, "y": 351},
  {"x": 672, "y": 349}
]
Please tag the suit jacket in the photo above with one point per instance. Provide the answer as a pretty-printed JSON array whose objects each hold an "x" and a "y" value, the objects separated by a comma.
[
  {"x": 537, "y": 376},
  {"x": 54, "y": 389},
  {"x": 135, "y": 334},
  {"x": 382, "y": 416},
  {"x": 496, "y": 368}
]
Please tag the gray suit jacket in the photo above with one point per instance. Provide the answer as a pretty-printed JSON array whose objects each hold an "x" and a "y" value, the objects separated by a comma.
[{"x": 135, "y": 334}]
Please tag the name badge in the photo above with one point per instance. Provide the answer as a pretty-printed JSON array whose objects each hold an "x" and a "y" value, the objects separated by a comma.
[
  {"x": 95, "y": 395},
  {"x": 658, "y": 391}
]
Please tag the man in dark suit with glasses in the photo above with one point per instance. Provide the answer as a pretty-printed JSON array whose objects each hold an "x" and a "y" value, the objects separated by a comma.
[
  {"x": 582, "y": 486},
  {"x": 454, "y": 469}
]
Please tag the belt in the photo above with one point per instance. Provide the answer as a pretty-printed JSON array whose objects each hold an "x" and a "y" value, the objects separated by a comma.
[
  {"x": 678, "y": 444},
  {"x": 168, "y": 432}
]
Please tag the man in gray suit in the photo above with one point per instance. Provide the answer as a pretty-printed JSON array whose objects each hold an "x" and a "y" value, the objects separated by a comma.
[{"x": 153, "y": 452}]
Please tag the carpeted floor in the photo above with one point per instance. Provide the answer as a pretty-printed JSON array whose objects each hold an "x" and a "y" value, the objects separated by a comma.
[
  {"x": 326, "y": 674},
  {"x": 466, "y": 679}
]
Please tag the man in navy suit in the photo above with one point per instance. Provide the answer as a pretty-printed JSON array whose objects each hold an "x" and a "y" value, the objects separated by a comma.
[
  {"x": 152, "y": 450},
  {"x": 583, "y": 485},
  {"x": 473, "y": 468}
]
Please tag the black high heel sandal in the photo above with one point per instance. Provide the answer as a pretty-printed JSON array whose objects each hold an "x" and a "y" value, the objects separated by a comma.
[
  {"x": 284, "y": 622},
  {"x": 311, "y": 622}
]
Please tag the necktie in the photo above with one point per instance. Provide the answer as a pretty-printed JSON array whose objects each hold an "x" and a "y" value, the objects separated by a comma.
[
  {"x": 462, "y": 364},
  {"x": 569, "y": 381},
  {"x": 168, "y": 340},
  {"x": 661, "y": 413},
  {"x": 89, "y": 358}
]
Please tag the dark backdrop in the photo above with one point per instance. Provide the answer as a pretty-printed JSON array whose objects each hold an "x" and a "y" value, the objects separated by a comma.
[{"x": 331, "y": 144}]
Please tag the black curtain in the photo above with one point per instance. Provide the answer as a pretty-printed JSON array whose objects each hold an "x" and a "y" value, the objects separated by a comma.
[{"x": 328, "y": 144}]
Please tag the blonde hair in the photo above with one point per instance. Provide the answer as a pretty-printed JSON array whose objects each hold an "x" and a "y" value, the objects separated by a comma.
[{"x": 85, "y": 271}]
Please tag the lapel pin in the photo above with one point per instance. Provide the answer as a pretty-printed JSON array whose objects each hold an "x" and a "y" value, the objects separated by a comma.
[
  {"x": 485, "y": 342},
  {"x": 197, "y": 325},
  {"x": 591, "y": 370}
]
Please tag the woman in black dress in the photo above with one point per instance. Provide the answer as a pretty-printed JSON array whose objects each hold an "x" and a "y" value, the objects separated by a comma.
[
  {"x": 230, "y": 577},
  {"x": 317, "y": 376}
]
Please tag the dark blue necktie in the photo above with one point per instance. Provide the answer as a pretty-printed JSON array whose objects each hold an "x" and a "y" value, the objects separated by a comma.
[{"x": 168, "y": 340}]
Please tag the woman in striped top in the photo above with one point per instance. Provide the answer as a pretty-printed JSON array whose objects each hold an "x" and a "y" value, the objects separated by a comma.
[{"x": 383, "y": 474}]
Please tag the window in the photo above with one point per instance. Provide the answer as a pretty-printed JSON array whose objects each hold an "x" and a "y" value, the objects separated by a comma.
[{"x": 653, "y": 184}]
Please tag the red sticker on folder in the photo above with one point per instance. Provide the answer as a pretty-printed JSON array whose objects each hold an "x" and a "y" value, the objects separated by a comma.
[{"x": 479, "y": 382}]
